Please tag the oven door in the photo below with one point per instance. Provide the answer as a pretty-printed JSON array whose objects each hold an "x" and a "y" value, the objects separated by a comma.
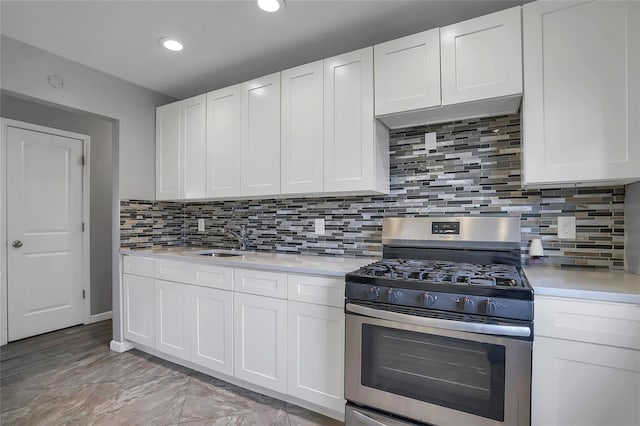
[{"x": 442, "y": 372}]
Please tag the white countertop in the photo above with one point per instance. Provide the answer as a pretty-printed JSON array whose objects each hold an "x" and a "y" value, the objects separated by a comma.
[
  {"x": 284, "y": 262},
  {"x": 612, "y": 286}
]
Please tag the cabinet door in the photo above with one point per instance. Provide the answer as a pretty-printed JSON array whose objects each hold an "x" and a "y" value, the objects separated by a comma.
[
  {"x": 584, "y": 384},
  {"x": 348, "y": 121},
  {"x": 316, "y": 354},
  {"x": 173, "y": 328},
  {"x": 168, "y": 154},
  {"x": 581, "y": 109},
  {"x": 139, "y": 312},
  {"x": 482, "y": 57},
  {"x": 223, "y": 142},
  {"x": 407, "y": 73},
  {"x": 302, "y": 126},
  {"x": 261, "y": 136},
  {"x": 260, "y": 340},
  {"x": 211, "y": 311},
  {"x": 193, "y": 115}
]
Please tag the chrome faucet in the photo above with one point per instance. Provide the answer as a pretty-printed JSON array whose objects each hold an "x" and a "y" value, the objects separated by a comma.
[{"x": 243, "y": 237}]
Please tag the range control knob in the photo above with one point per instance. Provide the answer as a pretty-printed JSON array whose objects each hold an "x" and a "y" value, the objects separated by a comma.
[
  {"x": 487, "y": 307},
  {"x": 428, "y": 299},
  {"x": 465, "y": 303},
  {"x": 392, "y": 295},
  {"x": 373, "y": 293}
]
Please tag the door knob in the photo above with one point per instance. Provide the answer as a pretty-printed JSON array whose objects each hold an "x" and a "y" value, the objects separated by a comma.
[{"x": 17, "y": 244}]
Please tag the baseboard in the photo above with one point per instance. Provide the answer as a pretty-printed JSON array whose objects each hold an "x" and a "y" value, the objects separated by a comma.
[
  {"x": 100, "y": 317},
  {"x": 120, "y": 346}
]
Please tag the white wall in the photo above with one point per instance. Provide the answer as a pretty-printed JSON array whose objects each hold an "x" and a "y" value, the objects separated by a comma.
[
  {"x": 632, "y": 227},
  {"x": 24, "y": 70},
  {"x": 101, "y": 167}
]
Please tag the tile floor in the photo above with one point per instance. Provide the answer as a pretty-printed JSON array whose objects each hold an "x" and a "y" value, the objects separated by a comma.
[{"x": 70, "y": 377}]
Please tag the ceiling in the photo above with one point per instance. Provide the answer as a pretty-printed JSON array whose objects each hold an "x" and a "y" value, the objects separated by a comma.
[{"x": 226, "y": 42}]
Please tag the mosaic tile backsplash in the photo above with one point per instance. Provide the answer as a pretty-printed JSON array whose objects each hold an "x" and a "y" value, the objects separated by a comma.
[{"x": 473, "y": 170}]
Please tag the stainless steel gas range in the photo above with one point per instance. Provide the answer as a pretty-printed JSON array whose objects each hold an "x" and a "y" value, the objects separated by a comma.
[{"x": 440, "y": 330}]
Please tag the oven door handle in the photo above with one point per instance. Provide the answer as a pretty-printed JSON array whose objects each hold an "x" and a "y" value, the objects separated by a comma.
[{"x": 471, "y": 327}]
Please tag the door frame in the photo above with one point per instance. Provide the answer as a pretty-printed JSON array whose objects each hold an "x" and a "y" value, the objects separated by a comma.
[{"x": 5, "y": 124}]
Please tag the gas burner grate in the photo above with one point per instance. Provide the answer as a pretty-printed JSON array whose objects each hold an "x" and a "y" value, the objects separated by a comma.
[{"x": 439, "y": 271}]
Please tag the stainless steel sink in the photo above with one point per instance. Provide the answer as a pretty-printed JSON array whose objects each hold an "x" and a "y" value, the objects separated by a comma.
[{"x": 220, "y": 254}]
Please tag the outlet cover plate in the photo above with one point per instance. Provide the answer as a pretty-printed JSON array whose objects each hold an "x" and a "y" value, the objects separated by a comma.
[
  {"x": 319, "y": 226},
  {"x": 566, "y": 227},
  {"x": 200, "y": 225}
]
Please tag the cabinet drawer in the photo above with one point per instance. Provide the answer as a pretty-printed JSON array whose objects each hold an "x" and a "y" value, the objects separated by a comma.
[
  {"x": 606, "y": 323},
  {"x": 316, "y": 289},
  {"x": 135, "y": 265},
  {"x": 211, "y": 276},
  {"x": 263, "y": 283},
  {"x": 172, "y": 270}
]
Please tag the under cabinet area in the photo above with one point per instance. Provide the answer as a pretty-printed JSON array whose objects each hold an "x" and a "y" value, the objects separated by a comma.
[
  {"x": 582, "y": 103},
  {"x": 586, "y": 363},
  {"x": 282, "y": 332}
]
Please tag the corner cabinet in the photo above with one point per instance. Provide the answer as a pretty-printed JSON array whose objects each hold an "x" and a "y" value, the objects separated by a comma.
[
  {"x": 180, "y": 149},
  {"x": 260, "y": 139},
  {"x": 586, "y": 363},
  {"x": 356, "y": 150},
  {"x": 582, "y": 106},
  {"x": 223, "y": 142}
]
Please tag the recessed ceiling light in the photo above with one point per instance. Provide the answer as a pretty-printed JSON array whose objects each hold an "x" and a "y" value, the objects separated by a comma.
[
  {"x": 269, "y": 5},
  {"x": 170, "y": 44}
]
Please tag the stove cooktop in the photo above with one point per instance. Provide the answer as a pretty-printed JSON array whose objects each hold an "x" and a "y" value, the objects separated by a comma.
[
  {"x": 439, "y": 271},
  {"x": 494, "y": 290}
]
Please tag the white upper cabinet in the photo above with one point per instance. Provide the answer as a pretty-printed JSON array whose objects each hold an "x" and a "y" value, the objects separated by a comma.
[
  {"x": 582, "y": 106},
  {"x": 223, "y": 142},
  {"x": 355, "y": 149},
  {"x": 261, "y": 136},
  {"x": 465, "y": 70},
  {"x": 407, "y": 73},
  {"x": 302, "y": 129},
  {"x": 482, "y": 57},
  {"x": 180, "y": 149},
  {"x": 167, "y": 152}
]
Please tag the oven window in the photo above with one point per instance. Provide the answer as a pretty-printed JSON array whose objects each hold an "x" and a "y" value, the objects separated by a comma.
[{"x": 459, "y": 374}]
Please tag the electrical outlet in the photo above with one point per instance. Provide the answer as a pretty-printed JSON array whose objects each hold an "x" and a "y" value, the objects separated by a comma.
[
  {"x": 430, "y": 141},
  {"x": 200, "y": 225},
  {"x": 319, "y": 226},
  {"x": 567, "y": 227}
]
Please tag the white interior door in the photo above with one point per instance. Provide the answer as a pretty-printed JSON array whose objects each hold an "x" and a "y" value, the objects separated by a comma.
[{"x": 44, "y": 232}]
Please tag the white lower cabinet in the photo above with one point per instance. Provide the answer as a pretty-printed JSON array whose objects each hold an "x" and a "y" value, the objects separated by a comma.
[
  {"x": 138, "y": 310},
  {"x": 584, "y": 384},
  {"x": 238, "y": 322},
  {"x": 212, "y": 328},
  {"x": 586, "y": 363},
  {"x": 173, "y": 328},
  {"x": 260, "y": 340},
  {"x": 316, "y": 354}
]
